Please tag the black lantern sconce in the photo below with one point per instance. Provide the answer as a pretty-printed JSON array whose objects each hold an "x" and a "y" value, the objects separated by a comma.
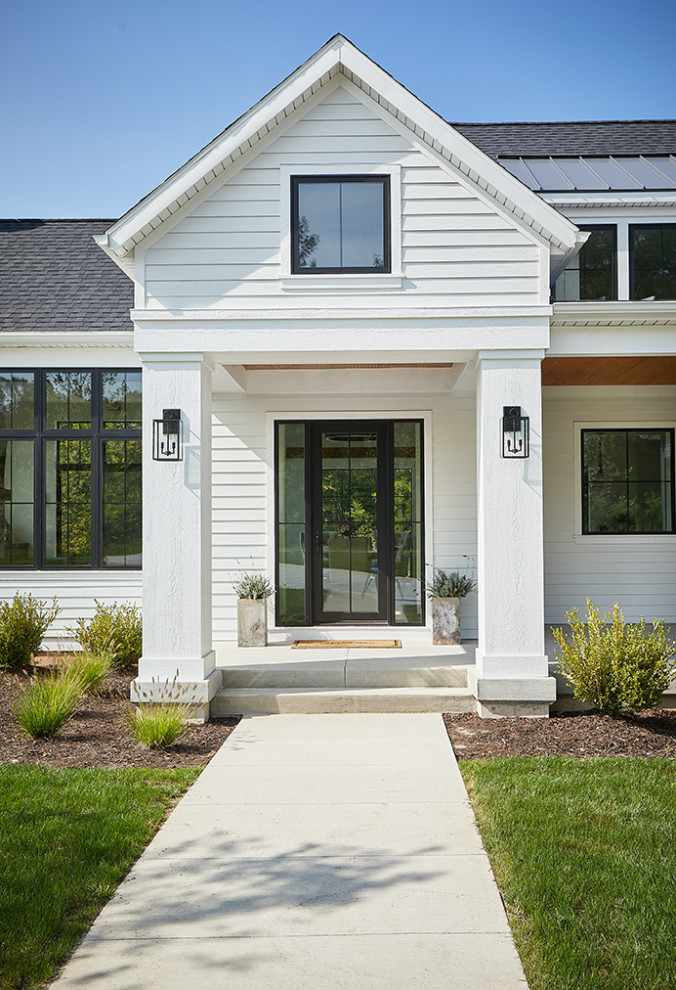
[
  {"x": 167, "y": 436},
  {"x": 515, "y": 432}
]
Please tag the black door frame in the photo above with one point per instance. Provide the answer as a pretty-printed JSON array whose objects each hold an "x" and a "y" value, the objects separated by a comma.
[{"x": 384, "y": 521}]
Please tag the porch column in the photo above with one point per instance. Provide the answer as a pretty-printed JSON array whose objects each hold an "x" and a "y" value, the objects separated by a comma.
[
  {"x": 177, "y": 634},
  {"x": 512, "y": 674}
]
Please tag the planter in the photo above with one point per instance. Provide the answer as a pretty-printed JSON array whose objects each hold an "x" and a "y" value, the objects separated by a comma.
[
  {"x": 445, "y": 621},
  {"x": 252, "y": 622}
]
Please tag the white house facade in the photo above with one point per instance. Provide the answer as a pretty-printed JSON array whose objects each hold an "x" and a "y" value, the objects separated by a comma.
[{"x": 391, "y": 345}]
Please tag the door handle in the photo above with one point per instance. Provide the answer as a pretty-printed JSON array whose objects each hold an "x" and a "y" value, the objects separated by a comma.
[{"x": 319, "y": 542}]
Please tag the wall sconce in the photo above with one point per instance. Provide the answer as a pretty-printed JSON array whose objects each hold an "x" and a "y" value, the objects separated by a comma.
[
  {"x": 167, "y": 436},
  {"x": 515, "y": 432}
]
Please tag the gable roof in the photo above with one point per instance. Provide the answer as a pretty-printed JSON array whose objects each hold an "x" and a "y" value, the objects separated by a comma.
[
  {"x": 54, "y": 277},
  {"x": 338, "y": 56},
  {"x": 579, "y": 137}
]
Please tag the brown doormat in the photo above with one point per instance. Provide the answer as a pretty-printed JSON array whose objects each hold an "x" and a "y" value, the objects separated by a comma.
[{"x": 342, "y": 644}]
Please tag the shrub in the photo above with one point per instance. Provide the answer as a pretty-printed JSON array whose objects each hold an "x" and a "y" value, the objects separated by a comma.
[
  {"x": 450, "y": 585},
  {"x": 253, "y": 586},
  {"x": 47, "y": 703},
  {"x": 615, "y": 666},
  {"x": 115, "y": 629},
  {"x": 158, "y": 724},
  {"x": 23, "y": 623}
]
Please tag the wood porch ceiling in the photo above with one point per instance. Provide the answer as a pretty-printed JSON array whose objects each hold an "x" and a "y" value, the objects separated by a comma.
[
  {"x": 609, "y": 371},
  {"x": 336, "y": 367}
]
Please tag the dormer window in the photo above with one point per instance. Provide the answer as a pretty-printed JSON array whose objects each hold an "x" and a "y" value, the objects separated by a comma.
[
  {"x": 591, "y": 274},
  {"x": 340, "y": 224},
  {"x": 652, "y": 249}
]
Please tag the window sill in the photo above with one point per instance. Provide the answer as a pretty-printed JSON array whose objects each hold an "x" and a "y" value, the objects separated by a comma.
[
  {"x": 313, "y": 283},
  {"x": 622, "y": 539}
]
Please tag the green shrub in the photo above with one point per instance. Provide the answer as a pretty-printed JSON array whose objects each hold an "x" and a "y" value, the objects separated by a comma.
[
  {"x": 91, "y": 669},
  {"x": 253, "y": 586},
  {"x": 615, "y": 666},
  {"x": 47, "y": 703},
  {"x": 23, "y": 623},
  {"x": 158, "y": 724},
  {"x": 451, "y": 584},
  {"x": 115, "y": 628}
]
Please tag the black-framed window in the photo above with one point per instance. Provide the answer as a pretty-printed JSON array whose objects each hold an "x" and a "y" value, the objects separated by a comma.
[
  {"x": 628, "y": 481},
  {"x": 592, "y": 274},
  {"x": 340, "y": 224},
  {"x": 70, "y": 468},
  {"x": 652, "y": 252}
]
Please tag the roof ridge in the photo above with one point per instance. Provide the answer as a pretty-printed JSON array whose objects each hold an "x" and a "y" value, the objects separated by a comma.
[{"x": 557, "y": 123}]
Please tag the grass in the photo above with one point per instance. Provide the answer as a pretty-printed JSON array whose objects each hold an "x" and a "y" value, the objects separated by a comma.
[
  {"x": 67, "y": 838},
  {"x": 584, "y": 852},
  {"x": 158, "y": 725},
  {"x": 47, "y": 703}
]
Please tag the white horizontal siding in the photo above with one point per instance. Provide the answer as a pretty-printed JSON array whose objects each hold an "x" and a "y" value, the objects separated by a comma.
[
  {"x": 638, "y": 573},
  {"x": 243, "y": 518},
  {"x": 76, "y": 594},
  {"x": 456, "y": 247}
]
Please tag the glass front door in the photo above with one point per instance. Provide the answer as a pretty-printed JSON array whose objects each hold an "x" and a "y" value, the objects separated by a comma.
[
  {"x": 349, "y": 522},
  {"x": 350, "y": 519}
]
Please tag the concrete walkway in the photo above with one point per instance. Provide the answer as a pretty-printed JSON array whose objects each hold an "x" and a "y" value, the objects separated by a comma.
[{"x": 315, "y": 852}]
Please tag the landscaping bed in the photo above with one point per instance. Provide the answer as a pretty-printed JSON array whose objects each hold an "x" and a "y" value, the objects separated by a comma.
[
  {"x": 579, "y": 734},
  {"x": 97, "y": 735}
]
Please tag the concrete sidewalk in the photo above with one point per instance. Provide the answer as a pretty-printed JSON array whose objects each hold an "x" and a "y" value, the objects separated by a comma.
[{"x": 315, "y": 852}]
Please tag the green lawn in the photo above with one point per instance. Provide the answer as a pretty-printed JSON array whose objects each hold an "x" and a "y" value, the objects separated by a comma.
[
  {"x": 584, "y": 852},
  {"x": 67, "y": 837}
]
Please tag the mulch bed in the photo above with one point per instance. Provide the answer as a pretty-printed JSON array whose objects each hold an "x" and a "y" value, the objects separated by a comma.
[
  {"x": 650, "y": 733},
  {"x": 97, "y": 736}
]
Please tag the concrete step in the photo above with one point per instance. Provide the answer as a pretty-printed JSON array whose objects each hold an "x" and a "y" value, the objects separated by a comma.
[
  {"x": 347, "y": 674},
  {"x": 310, "y": 701}
]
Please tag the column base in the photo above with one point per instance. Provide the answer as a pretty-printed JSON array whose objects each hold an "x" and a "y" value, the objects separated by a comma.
[
  {"x": 196, "y": 692},
  {"x": 523, "y": 697}
]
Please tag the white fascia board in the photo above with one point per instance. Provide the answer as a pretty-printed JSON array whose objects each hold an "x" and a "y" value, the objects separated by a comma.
[
  {"x": 259, "y": 119},
  {"x": 67, "y": 338},
  {"x": 247, "y": 130}
]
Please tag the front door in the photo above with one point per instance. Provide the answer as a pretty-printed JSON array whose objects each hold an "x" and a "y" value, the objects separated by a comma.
[{"x": 350, "y": 524}]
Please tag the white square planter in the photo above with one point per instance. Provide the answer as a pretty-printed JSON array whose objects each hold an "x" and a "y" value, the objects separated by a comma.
[
  {"x": 252, "y": 622},
  {"x": 445, "y": 621}
]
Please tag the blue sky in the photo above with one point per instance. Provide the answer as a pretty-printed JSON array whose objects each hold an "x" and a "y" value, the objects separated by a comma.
[{"x": 102, "y": 100}]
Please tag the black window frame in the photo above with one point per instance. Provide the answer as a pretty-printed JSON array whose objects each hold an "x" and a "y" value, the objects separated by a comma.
[
  {"x": 591, "y": 227},
  {"x": 40, "y": 436},
  {"x": 380, "y": 178},
  {"x": 643, "y": 226},
  {"x": 584, "y": 482}
]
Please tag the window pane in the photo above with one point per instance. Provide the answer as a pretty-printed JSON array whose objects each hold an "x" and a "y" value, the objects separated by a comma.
[
  {"x": 68, "y": 400},
  {"x": 291, "y": 539},
  {"x": 408, "y": 592},
  {"x": 319, "y": 225},
  {"x": 68, "y": 502},
  {"x": 16, "y": 502},
  {"x": 122, "y": 503},
  {"x": 653, "y": 260},
  {"x": 605, "y": 455},
  {"x": 17, "y": 392},
  {"x": 121, "y": 400},
  {"x": 628, "y": 478},
  {"x": 591, "y": 273},
  {"x": 362, "y": 225}
]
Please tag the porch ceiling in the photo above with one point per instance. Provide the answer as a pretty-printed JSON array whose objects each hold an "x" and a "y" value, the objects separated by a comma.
[{"x": 609, "y": 371}]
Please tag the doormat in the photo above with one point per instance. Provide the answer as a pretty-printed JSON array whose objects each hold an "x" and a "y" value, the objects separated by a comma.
[{"x": 342, "y": 644}]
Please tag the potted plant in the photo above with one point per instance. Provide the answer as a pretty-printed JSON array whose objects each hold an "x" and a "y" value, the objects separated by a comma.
[
  {"x": 446, "y": 591},
  {"x": 253, "y": 591}
]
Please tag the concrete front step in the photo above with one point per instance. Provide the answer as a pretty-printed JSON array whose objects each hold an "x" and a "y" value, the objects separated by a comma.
[
  {"x": 310, "y": 701},
  {"x": 346, "y": 674}
]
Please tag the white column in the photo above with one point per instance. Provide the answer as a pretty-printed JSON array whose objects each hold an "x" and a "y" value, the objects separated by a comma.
[
  {"x": 177, "y": 632},
  {"x": 512, "y": 673}
]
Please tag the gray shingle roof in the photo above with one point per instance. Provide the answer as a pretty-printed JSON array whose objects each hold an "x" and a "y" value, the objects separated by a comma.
[
  {"x": 584, "y": 137},
  {"x": 53, "y": 276}
]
